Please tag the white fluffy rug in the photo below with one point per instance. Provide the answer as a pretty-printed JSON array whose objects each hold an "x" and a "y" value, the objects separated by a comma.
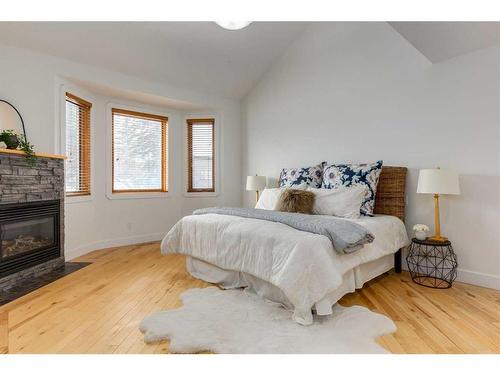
[{"x": 232, "y": 321}]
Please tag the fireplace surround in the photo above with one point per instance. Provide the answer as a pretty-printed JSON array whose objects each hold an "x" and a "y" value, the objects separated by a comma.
[{"x": 31, "y": 217}]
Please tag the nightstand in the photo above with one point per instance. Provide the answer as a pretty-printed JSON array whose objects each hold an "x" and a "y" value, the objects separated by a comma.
[{"x": 432, "y": 263}]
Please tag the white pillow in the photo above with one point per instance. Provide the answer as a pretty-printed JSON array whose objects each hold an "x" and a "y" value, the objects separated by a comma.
[
  {"x": 269, "y": 196},
  {"x": 342, "y": 202}
]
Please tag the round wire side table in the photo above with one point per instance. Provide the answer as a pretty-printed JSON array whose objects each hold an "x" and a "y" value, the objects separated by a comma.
[{"x": 432, "y": 263}]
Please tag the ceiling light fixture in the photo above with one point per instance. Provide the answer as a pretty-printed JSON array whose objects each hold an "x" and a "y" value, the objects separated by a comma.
[{"x": 233, "y": 25}]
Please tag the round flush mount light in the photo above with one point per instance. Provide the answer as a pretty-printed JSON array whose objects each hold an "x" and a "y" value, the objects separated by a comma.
[{"x": 233, "y": 25}]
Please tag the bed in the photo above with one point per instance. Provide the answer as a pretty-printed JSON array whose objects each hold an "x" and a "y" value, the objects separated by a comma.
[{"x": 284, "y": 265}]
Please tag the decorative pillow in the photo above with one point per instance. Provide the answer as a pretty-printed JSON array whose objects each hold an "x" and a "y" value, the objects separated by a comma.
[
  {"x": 312, "y": 176},
  {"x": 269, "y": 197},
  {"x": 337, "y": 175},
  {"x": 342, "y": 202},
  {"x": 294, "y": 200}
]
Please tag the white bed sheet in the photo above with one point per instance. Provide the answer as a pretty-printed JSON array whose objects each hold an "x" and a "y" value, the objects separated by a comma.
[{"x": 301, "y": 265}]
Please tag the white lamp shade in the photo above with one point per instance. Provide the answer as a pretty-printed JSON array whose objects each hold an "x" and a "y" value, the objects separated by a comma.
[
  {"x": 438, "y": 181},
  {"x": 256, "y": 183}
]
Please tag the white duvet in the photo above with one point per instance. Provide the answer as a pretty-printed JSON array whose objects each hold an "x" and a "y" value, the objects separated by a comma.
[{"x": 303, "y": 265}]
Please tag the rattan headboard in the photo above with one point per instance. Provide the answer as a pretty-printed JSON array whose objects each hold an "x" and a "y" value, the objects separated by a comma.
[{"x": 390, "y": 196}]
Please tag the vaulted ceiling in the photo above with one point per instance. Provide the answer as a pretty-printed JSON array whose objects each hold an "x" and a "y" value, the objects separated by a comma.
[{"x": 203, "y": 56}]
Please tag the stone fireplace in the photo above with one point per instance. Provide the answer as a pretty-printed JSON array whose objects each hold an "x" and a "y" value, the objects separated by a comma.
[{"x": 31, "y": 216}]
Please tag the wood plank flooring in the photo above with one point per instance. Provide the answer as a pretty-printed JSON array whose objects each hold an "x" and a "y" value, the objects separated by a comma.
[{"x": 98, "y": 309}]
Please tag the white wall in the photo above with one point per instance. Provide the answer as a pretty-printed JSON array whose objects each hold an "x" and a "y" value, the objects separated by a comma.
[
  {"x": 353, "y": 92},
  {"x": 33, "y": 83}
]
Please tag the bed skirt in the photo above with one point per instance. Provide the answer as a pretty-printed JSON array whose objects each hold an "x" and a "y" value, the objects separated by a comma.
[{"x": 352, "y": 280}]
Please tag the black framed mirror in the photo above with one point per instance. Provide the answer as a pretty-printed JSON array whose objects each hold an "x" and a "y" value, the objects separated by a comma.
[{"x": 11, "y": 119}]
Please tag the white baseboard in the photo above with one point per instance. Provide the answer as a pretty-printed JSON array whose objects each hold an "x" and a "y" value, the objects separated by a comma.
[
  {"x": 479, "y": 278},
  {"x": 85, "y": 249}
]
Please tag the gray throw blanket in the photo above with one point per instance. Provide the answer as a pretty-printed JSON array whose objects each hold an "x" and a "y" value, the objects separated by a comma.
[{"x": 346, "y": 236}]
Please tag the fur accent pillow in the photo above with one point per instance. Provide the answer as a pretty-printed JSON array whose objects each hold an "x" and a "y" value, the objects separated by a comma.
[
  {"x": 270, "y": 196},
  {"x": 294, "y": 200}
]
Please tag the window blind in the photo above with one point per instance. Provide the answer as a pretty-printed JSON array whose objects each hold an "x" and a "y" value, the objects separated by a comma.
[
  {"x": 139, "y": 152},
  {"x": 77, "y": 173},
  {"x": 201, "y": 158}
]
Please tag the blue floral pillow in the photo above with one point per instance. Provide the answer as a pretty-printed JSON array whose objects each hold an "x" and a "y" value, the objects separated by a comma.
[
  {"x": 312, "y": 176},
  {"x": 337, "y": 175}
]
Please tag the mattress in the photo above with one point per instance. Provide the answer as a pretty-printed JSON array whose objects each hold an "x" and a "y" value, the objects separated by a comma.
[{"x": 352, "y": 280}]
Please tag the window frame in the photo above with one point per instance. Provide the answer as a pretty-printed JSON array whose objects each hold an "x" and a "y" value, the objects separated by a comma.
[
  {"x": 190, "y": 191},
  {"x": 85, "y": 151},
  {"x": 165, "y": 149}
]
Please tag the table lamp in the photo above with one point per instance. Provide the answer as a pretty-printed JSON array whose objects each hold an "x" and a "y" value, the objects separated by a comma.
[
  {"x": 437, "y": 181},
  {"x": 256, "y": 183}
]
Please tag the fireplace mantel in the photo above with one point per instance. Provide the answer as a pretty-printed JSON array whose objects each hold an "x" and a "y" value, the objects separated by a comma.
[{"x": 37, "y": 154}]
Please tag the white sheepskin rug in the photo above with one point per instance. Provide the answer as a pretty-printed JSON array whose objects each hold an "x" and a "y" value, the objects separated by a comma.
[{"x": 233, "y": 321}]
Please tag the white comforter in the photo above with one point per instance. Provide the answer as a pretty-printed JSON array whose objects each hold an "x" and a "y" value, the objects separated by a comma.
[{"x": 303, "y": 265}]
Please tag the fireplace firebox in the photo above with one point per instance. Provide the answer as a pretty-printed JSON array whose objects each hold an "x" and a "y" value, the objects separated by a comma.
[{"x": 29, "y": 235}]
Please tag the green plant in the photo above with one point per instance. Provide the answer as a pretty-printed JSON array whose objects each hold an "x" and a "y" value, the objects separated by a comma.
[
  {"x": 7, "y": 132},
  {"x": 28, "y": 149},
  {"x": 10, "y": 137}
]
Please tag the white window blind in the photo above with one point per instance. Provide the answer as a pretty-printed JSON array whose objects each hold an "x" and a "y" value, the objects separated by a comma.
[
  {"x": 139, "y": 152},
  {"x": 201, "y": 176},
  {"x": 77, "y": 172}
]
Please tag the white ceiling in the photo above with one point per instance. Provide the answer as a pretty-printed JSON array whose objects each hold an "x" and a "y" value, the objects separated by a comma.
[
  {"x": 203, "y": 56},
  {"x": 134, "y": 96},
  {"x": 191, "y": 55},
  {"x": 440, "y": 41}
]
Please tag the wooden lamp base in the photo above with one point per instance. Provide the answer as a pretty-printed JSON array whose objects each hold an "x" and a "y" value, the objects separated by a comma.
[
  {"x": 438, "y": 238},
  {"x": 437, "y": 225}
]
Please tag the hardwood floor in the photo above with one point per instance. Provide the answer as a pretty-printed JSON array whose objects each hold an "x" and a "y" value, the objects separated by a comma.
[{"x": 98, "y": 309}]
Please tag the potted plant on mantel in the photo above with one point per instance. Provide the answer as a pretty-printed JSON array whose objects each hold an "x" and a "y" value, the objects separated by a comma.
[{"x": 15, "y": 141}]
